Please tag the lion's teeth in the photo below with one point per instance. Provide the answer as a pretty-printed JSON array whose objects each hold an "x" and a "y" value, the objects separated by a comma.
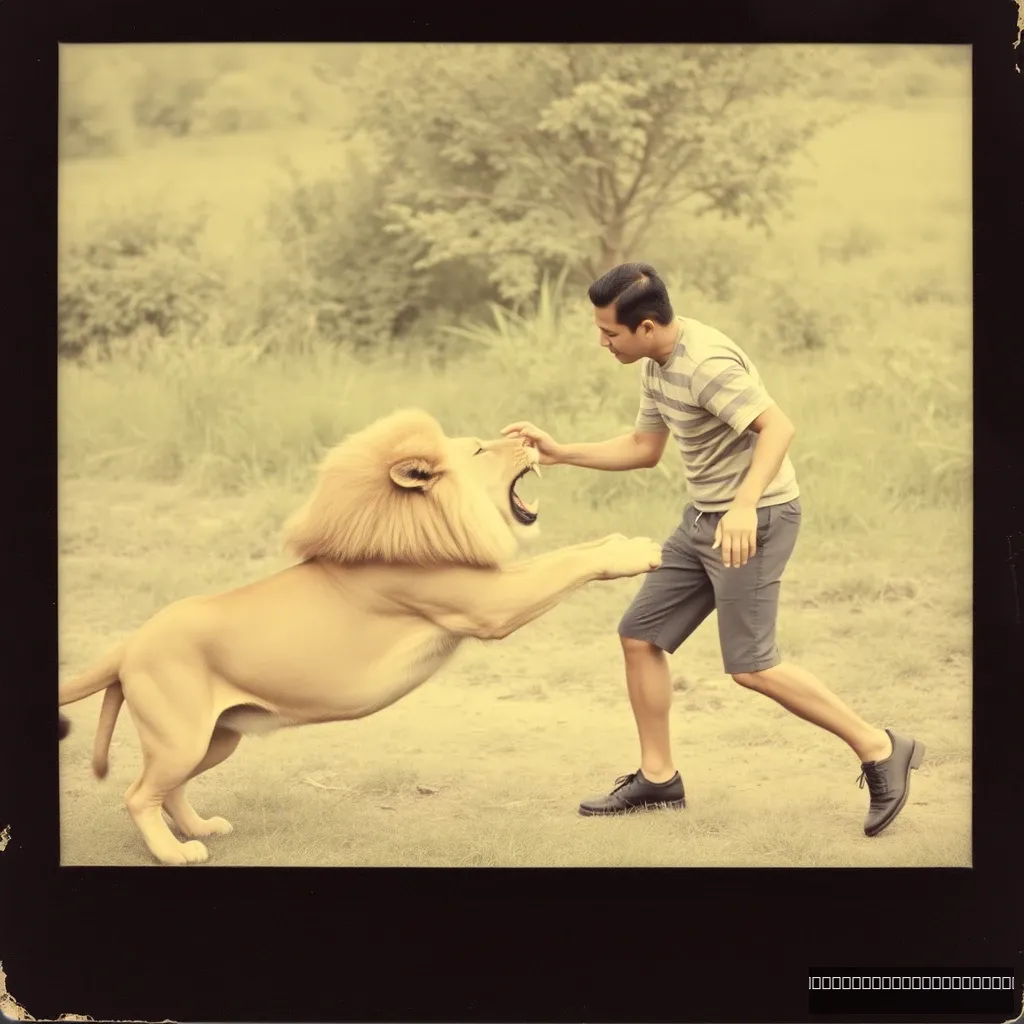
[
  {"x": 535, "y": 467},
  {"x": 532, "y": 507}
]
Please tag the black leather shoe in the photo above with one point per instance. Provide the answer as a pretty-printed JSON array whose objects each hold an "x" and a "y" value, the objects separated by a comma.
[
  {"x": 889, "y": 781},
  {"x": 634, "y": 792}
]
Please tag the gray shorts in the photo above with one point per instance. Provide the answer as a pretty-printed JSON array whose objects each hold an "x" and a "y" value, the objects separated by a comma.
[{"x": 692, "y": 581}]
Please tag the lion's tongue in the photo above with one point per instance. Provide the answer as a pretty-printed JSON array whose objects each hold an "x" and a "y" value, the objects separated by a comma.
[{"x": 522, "y": 504}]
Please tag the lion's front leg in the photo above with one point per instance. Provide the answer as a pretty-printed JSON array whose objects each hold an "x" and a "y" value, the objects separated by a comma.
[
  {"x": 525, "y": 592},
  {"x": 495, "y": 604},
  {"x": 489, "y": 604}
]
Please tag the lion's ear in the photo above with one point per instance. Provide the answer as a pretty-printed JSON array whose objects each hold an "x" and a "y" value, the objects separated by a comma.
[{"x": 416, "y": 474}]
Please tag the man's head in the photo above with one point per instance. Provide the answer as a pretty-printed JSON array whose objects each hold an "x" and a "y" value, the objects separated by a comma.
[{"x": 632, "y": 312}]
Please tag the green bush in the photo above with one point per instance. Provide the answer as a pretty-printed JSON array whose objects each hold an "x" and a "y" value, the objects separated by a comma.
[{"x": 136, "y": 272}]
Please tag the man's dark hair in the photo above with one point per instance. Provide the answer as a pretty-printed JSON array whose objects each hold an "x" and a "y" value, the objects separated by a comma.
[{"x": 638, "y": 293}]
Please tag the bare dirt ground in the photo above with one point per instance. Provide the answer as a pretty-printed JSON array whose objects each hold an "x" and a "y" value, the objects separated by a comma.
[{"x": 486, "y": 763}]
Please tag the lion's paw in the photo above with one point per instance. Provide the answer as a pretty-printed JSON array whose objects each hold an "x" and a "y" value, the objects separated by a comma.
[
  {"x": 195, "y": 852},
  {"x": 215, "y": 826},
  {"x": 630, "y": 557},
  {"x": 192, "y": 852}
]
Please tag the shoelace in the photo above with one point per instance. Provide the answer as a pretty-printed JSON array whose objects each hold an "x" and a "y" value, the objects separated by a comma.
[
  {"x": 875, "y": 778},
  {"x": 624, "y": 780}
]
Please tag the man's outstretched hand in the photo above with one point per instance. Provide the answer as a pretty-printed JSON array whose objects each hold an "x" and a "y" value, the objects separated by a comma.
[{"x": 547, "y": 447}]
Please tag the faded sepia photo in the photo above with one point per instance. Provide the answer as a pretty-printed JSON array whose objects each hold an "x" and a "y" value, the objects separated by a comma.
[{"x": 490, "y": 455}]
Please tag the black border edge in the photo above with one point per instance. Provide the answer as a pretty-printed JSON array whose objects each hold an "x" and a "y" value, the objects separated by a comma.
[{"x": 277, "y": 944}]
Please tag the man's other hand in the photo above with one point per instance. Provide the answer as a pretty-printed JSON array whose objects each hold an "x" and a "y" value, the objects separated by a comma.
[{"x": 736, "y": 534}]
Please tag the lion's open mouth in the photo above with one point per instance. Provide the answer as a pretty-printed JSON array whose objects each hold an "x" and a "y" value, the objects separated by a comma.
[{"x": 521, "y": 511}]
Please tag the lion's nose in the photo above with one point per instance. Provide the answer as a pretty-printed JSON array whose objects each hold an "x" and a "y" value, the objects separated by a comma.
[{"x": 508, "y": 442}]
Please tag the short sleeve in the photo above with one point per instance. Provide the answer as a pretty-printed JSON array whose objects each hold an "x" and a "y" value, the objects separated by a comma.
[
  {"x": 723, "y": 387},
  {"x": 648, "y": 418}
]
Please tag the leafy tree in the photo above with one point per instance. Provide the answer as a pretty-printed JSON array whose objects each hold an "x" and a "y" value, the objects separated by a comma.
[
  {"x": 531, "y": 159},
  {"x": 339, "y": 268}
]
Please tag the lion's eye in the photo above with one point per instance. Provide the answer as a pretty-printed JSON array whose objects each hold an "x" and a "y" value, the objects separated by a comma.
[{"x": 478, "y": 451}]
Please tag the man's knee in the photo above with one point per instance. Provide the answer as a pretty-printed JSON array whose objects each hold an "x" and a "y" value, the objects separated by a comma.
[
  {"x": 634, "y": 648},
  {"x": 755, "y": 680}
]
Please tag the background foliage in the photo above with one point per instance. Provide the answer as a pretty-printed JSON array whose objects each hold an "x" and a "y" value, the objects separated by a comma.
[{"x": 264, "y": 246}]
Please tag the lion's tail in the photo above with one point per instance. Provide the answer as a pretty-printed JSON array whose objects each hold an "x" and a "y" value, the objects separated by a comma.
[
  {"x": 103, "y": 674},
  {"x": 92, "y": 680},
  {"x": 112, "y": 701}
]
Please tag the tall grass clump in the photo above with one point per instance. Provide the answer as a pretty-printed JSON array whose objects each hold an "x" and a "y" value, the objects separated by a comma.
[
  {"x": 881, "y": 429},
  {"x": 221, "y": 417}
]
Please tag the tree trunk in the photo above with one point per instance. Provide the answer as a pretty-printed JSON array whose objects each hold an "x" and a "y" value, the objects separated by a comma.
[
  {"x": 609, "y": 258},
  {"x": 611, "y": 247}
]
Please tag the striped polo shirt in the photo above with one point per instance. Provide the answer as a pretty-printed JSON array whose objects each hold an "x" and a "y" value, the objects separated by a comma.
[{"x": 707, "y": 394}]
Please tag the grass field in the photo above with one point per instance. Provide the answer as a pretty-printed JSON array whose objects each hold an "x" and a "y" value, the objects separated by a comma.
[
  {"x": 512, "y": 734},
  {"x": 175, "y": 480}
]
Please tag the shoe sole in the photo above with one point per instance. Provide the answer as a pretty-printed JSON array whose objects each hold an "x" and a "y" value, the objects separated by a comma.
[
  {"x": 916, "y": 757},
  {"x": 587, "y": 812}
]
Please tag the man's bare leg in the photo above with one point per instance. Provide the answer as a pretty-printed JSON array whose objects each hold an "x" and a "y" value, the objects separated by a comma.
[
  {"x": 650, "y": 695},
  {"x": 806, "y": 696},
  {"x": 887, "y": 757},
  {"x": 657, "y": 784}
]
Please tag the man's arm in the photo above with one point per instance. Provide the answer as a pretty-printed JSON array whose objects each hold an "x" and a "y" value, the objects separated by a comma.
[
  {"x": 775, "y": 433},
  {"x": 736, "y": 532},
  {"x": 722, "y": 386},
  {"x": 636, "y": 450},
  {"x": 642, "y": 448}
]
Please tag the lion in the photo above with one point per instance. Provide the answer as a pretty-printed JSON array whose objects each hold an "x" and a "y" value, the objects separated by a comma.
[{"x": 406, "y": 547}]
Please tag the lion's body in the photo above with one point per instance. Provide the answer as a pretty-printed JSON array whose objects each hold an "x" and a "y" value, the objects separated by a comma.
[
  {"x": 405, "y": 548},
  {"x": 305, "y": 645}
]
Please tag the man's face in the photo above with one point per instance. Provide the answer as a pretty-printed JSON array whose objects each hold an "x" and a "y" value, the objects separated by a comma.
[{"x": 625, "y": 345}]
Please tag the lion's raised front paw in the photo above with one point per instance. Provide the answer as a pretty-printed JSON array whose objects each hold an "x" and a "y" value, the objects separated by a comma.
[{"x": 629, "y": 557}]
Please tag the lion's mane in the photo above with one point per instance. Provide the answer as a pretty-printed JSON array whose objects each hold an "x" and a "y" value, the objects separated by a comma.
[{"x": 358, "y": 514}]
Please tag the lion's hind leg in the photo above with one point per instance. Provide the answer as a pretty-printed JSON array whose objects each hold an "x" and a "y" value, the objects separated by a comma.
[
  {"x": 175, "y": 739},
  {"x": 185, "y": 817},
  {"x": 161, "y": 774}
]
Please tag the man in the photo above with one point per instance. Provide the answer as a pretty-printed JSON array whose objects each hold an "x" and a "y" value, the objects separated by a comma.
[{"x": 731, "y": 547}]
